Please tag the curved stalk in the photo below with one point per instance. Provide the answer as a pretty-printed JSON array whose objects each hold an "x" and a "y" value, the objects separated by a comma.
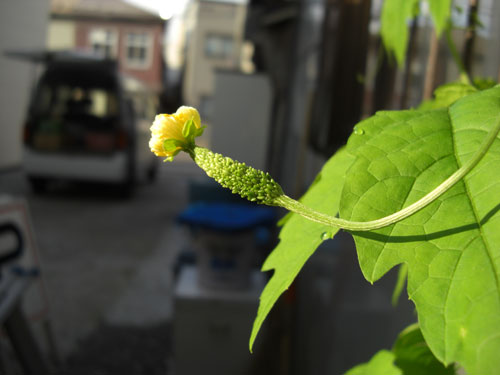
[{"x": 309, "y": 213}]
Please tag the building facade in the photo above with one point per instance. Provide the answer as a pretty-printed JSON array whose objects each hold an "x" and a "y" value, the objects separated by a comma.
[
  {"x": 114, "y": 29},
  {"x": 215, "y": 41}
]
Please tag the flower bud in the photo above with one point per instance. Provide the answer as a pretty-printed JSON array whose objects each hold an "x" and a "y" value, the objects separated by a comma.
[{"x": 171, "y": 134}]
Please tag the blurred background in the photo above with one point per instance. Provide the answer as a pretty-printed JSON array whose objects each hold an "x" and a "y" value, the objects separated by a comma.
[{"x": 112, "y": 262}]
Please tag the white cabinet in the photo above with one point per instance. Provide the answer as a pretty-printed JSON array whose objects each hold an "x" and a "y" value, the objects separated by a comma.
[{"x": 212, "y": 327}]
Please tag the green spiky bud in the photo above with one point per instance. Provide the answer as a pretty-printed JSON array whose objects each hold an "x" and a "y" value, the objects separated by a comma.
[{"x": 249, "y": 183}]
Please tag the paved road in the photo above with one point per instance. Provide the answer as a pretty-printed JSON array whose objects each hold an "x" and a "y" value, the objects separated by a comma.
[{"x": 106, "y": 260}]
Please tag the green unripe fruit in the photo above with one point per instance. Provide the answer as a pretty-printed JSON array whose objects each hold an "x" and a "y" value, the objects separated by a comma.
[{"x": 248, "y": 182}]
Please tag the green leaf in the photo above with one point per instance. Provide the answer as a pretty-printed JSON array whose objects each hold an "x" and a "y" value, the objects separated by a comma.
[
  {"x": 440, "y": 12},
  {"x": 484, "y": 83},
  {"x": 410, "y": 356},
  {"x": 414, "y": 357},
  {"x": 447, "y": 94},
  {"x": 400, "y": 284},
  {"x": 452, "y": 247},
  {"x": 394, "y": 26},
  {"x": 381, "y": 363},
  {"x": 394, "y": 22},
  {"x": 199, "y": 131},
  {"x": 189, "y": 130},
  {"x": 299, "y": 237},
  {"x": 172, "y": 145}
]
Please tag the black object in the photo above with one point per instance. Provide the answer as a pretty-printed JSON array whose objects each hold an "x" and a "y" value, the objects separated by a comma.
[{"x": 17, "y": 250}]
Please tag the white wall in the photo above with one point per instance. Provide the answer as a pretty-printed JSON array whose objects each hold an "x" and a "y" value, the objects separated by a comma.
[
  {"x": 225, "y": 18},
  {"x": 242, "y": 112},
  {"x": 23, "y": 25}
]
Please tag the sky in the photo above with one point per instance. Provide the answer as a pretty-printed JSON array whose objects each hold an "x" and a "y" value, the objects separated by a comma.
[{"x": 165, "y": 8}]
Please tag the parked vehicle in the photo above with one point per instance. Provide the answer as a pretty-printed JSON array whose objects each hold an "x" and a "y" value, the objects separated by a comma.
[{"x": 86, "y": 122}]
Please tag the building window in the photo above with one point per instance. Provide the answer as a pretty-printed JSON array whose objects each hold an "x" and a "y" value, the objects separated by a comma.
[
  {"x": 138, "y": 50},
  {"x": 103, "y": 42},
  {"x": 219, "y": 46}
]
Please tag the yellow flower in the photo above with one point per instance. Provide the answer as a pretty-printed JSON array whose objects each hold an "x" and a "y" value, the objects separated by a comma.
[{"x": 175, "y": 127}]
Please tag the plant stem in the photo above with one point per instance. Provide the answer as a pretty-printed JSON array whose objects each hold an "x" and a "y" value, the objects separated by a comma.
[
  {"x": 470, "y": 36},
  {"x": 456, "y": 56},
  {"x": 309, "y": 213}
]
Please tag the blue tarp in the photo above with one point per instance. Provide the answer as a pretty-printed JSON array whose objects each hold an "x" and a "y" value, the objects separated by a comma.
[{"x": 227, "y": 217}]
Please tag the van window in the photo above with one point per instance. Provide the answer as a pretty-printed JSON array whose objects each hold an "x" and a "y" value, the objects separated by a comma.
[
  {"x": 74, "y": 119},
  {"x": 62, "y": 100}
]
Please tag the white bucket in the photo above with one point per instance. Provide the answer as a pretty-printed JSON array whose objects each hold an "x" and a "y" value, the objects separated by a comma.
[{"x": 225, "y": 259}]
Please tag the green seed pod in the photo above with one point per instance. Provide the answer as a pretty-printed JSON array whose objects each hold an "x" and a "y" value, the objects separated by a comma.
[{"x": 249, "y": 183}]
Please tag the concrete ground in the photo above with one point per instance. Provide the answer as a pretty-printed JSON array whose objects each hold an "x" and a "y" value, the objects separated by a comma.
[{"x": 107, "y": 268}]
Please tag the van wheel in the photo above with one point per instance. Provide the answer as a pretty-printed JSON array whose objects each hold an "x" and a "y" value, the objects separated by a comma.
[{"x": 38, "y": 184}]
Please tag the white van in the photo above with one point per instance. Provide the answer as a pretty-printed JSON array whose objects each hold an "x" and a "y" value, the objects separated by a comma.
[{"x": 86, "y": 122}]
